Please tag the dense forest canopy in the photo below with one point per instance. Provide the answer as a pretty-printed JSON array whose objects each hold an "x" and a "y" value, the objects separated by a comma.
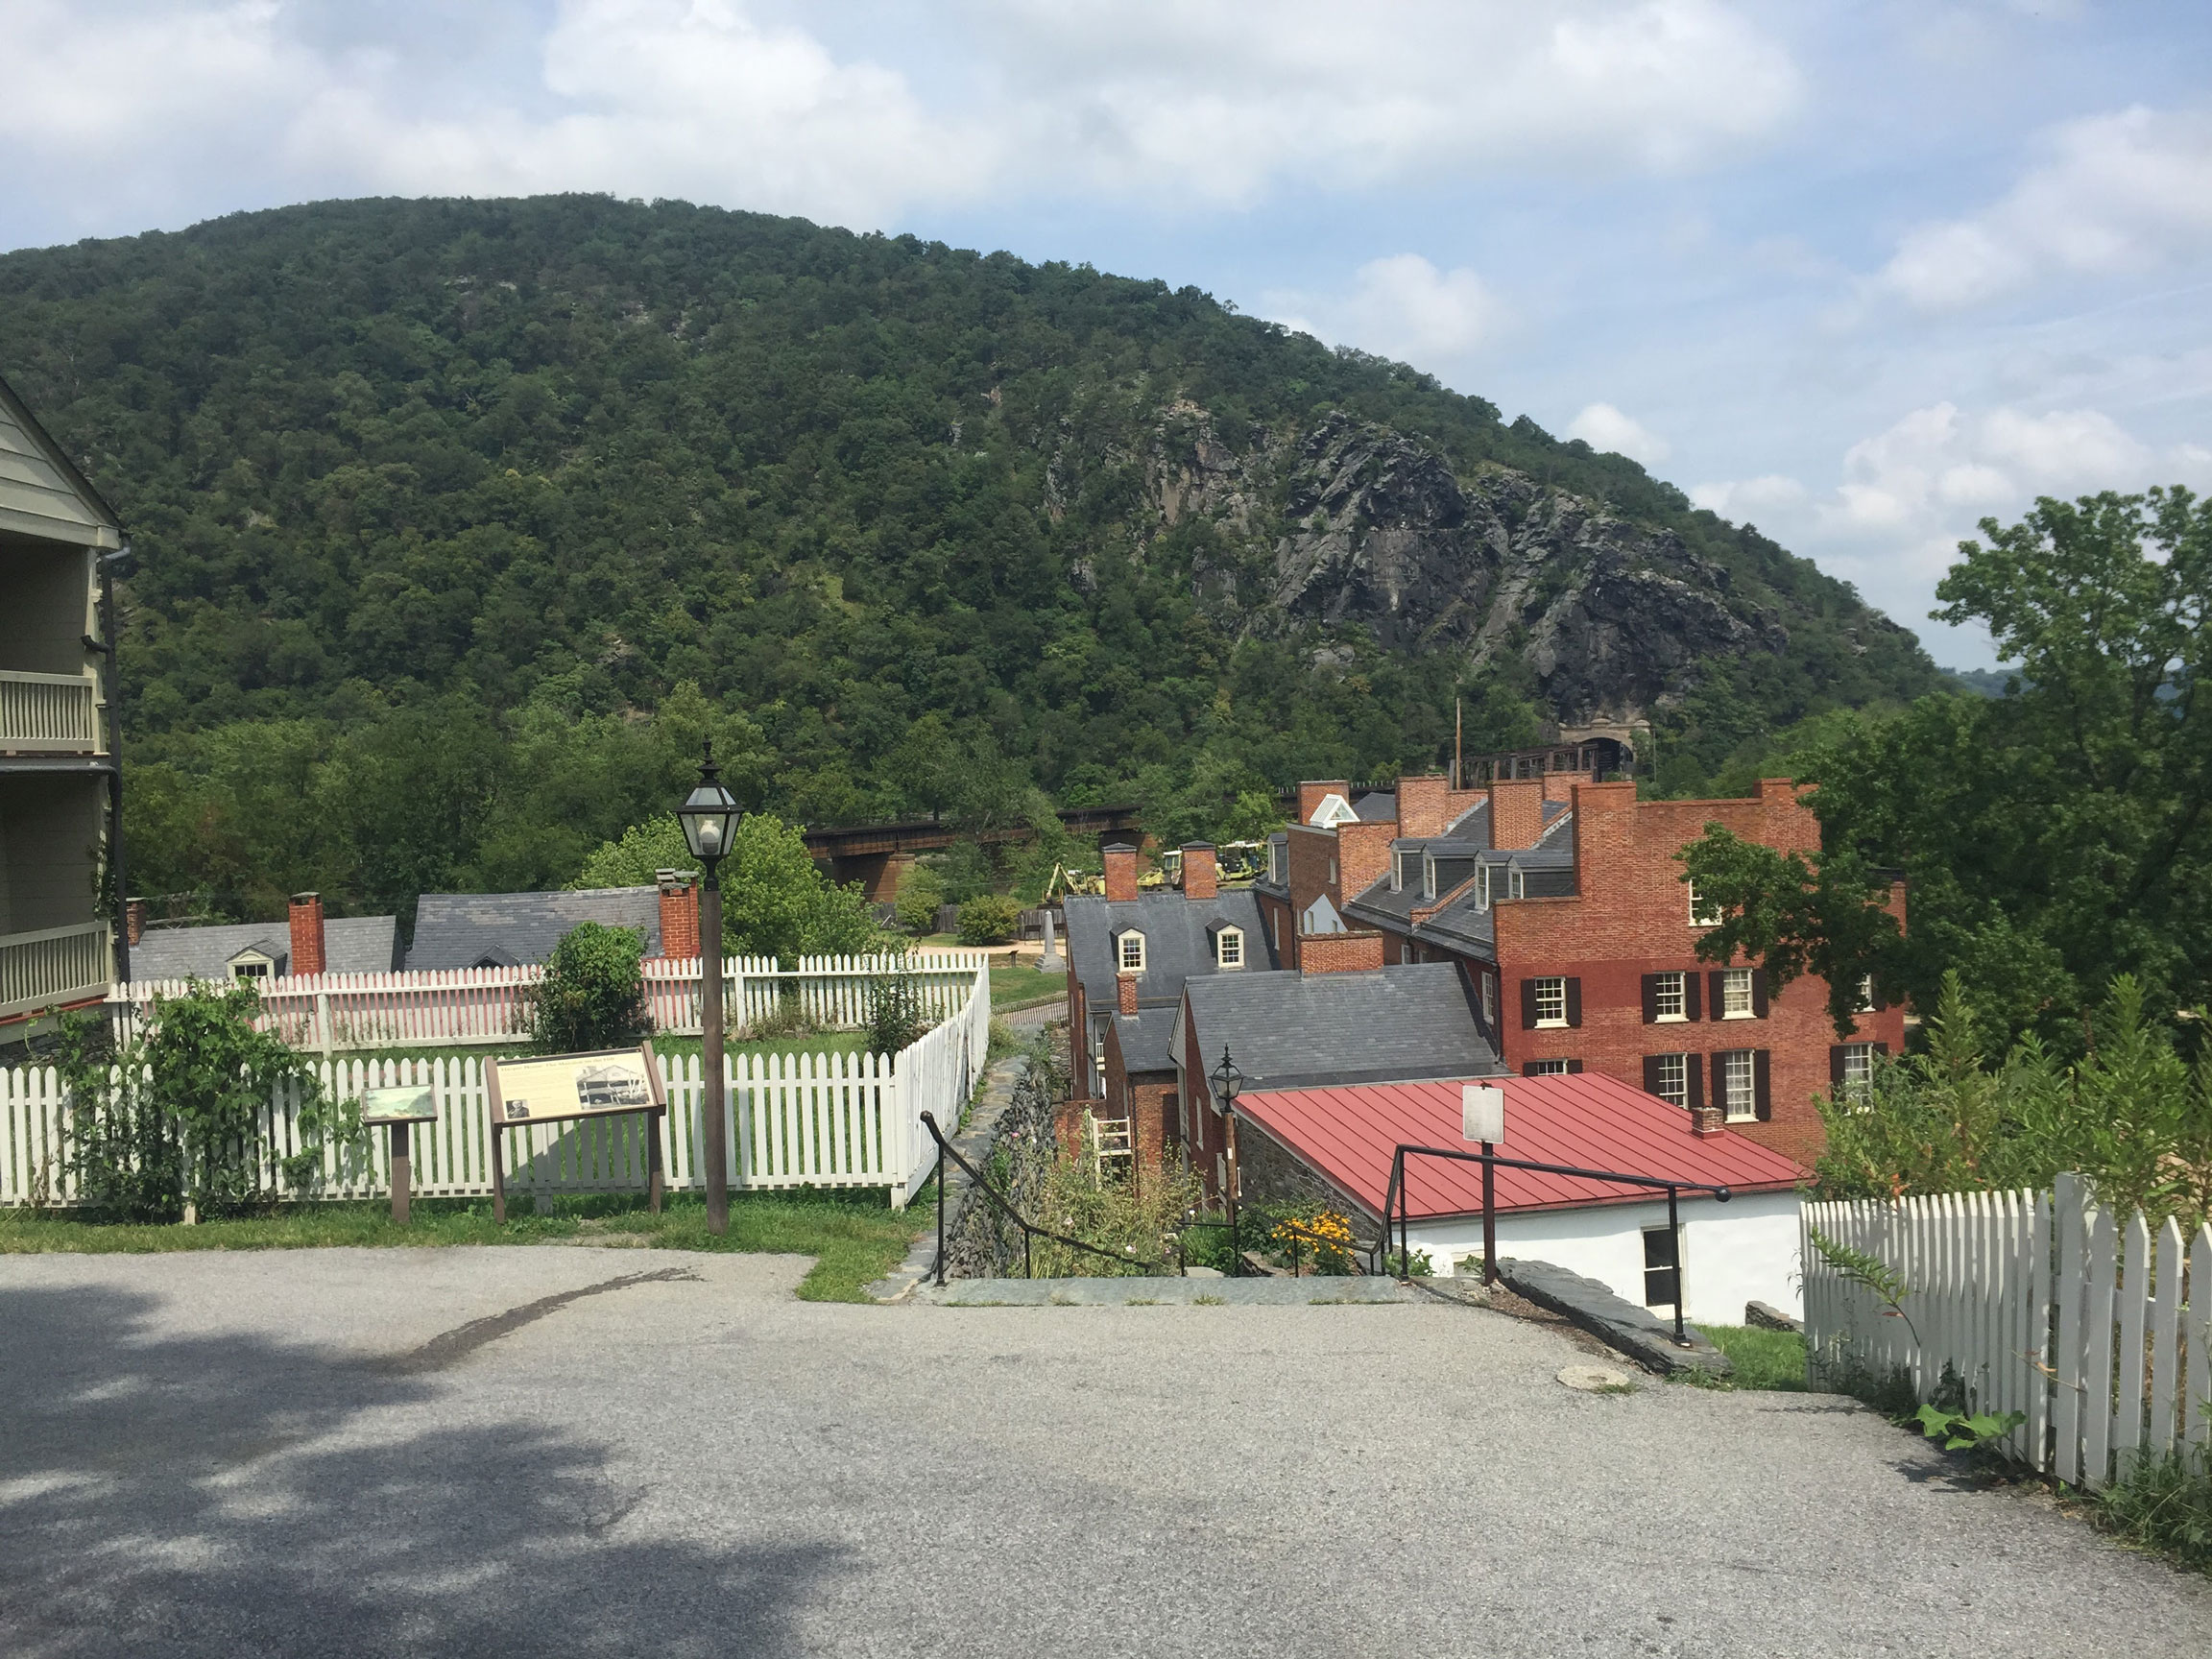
[{"x": 460, "y": 524}]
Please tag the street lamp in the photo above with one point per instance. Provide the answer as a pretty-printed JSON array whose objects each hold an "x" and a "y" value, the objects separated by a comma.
[
  {"x": 1229, "y": 1083},
  {"x": 708, "y": 815}
]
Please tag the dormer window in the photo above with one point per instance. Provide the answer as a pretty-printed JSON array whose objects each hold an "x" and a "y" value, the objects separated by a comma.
[
  {"x": 1482, "y": 886},
  {"x": 1516, "y": 883},
  {"x": 1229, "y": 947},
  {"x": 1428, "y": 876},
  {"x": 252, "y": 964},
  {"x": 1398, "y": 871},
  {"x": 1129, "y": 953},
  {"x": 1278, "y": 855}
]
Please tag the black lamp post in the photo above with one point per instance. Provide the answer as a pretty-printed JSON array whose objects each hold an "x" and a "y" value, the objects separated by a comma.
[
  {"x": 708, "y": 815},
  {"x": 1229, "y": 1083}
]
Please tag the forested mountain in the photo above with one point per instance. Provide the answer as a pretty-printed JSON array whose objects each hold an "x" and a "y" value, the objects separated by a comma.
[{"x": 459, "y": 523}]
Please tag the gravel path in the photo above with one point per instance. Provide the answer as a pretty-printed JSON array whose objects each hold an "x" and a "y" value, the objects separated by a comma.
[{"x": 580, "y": 1452}]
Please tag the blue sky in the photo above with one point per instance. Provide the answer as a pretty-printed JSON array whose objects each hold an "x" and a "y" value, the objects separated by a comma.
[{"x": 1861, "y": 274}]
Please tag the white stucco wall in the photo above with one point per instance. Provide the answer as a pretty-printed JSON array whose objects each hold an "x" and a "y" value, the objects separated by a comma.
[{"x": 1744, "y": 1250}]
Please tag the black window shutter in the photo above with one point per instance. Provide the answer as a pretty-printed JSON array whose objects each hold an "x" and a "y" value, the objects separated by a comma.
[
  {"x": 1528, "y": 1004},
  {"x": 1763, "y": 1084},
  {"x": 1717, "y": 978},
  {"x": 1651, "y": 997},
  {"x": 1836, "y": 1066},
  {"x": 1572, "y": 1067},
  {"x": 1574, "y": 1001},
  {"x": 1691, "y": 981},
  {"x": 1651, "y": 1073},
  {"x": 1529, "y": 1069},
  {"x": 1759, "y": 992},
  {"x": 1694, "y": 1073},
  {"x": 1719, "y": 1082},
  {"x": 1874, "y": 996},
  {"x": 1881, "y": 1047}
]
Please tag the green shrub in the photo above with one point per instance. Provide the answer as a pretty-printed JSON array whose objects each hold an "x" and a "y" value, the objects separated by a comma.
[
  {"x": 919, "y": 896},
  {"x": 593, "y": 993},
  {"x": 989, "y": 919},
  {"x": 2164, "y": 1503},
  {"x": 896, "y": 1017}
]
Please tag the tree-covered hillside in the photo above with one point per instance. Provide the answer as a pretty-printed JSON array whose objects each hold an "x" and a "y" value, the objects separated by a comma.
[{"x": 459, "y": 523}]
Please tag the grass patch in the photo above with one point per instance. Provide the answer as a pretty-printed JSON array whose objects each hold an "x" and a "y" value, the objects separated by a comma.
[
  {"x": 1023, "y": 987},
  {"x": 1768, "y": 1360},
  {"x": 2165, "y": 1504},
  {"x": 855, "y": 1238}
]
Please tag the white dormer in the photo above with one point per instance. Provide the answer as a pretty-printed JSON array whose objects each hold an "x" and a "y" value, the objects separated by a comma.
[
  {"x": 1228, "y": 947},
  {"x": 1333, "y": 810},
  {"x": 1321, "y": 916},
  {"x": 252, "y": 964},
  {"x": 1129, "y": 952}
]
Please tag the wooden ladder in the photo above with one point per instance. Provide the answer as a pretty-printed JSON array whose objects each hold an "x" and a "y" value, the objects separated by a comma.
[{"x": 1112, "y": 1137}]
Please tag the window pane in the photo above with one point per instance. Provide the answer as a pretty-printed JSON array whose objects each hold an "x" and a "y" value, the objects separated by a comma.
[
  {"x": 1672, "y": 999},
  {"x": 1736, "y": 990},
  {"x": 1551, "y": 1000},
  {"x": 1675, "y": 1079},
  {"x": 1547, "y": 1067},
  {"x": 1740, "y": 1086}
]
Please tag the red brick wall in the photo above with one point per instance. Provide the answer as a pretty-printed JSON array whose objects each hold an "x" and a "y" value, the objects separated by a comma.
[
  {"x": 1147, "y": 1099},
  {"x": 680, "y": 920},
  {"x": 1515, "y": 813},
  {"x": 1560, "y": 786},
  {"x": 1312, "y": 853},
  {"x": 1424, "y": 804},
  {"x": 1201, "y": 878},
  {"x": 1312, "y": 793},
  {"x": 1632, "y": 918},
  {"x": 1120, "y": 874},
  {"x": 1462, "y": 800},
  {"x": 1278, "y": 918},
  {"x": 1339, "y": 953},
  {"x": 1363, "y": 857},
  {"x": 306, "y": 955}
]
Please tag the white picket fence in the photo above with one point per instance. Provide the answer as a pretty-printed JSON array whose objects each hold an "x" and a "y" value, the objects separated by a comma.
[
  {"x": 810, "y": 1119},
  {"x": 335, "y": 1013},
  {"x": 2098, "y": 1330}
]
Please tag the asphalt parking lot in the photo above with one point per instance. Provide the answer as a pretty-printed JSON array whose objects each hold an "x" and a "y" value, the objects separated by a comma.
[{"x": 563, "y": 1452}]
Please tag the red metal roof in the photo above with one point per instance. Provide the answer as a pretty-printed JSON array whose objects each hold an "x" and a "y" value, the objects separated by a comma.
[{"x": 1593, "y": 1123}]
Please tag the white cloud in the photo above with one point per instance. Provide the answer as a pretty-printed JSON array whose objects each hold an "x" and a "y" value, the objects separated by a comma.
[
  {"x": 1178, "y": 103},
  {"x": 1742, "y": 497},
  {"x": 1401, "y": 306},
  {"x": 1937, "y": 464},
  {"x": 2118, "y": 194},
  {"x": 1604, "y": 428}
]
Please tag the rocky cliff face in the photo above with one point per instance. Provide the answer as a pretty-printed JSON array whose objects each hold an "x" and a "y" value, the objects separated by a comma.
[{"x": 1354, "y": 526}]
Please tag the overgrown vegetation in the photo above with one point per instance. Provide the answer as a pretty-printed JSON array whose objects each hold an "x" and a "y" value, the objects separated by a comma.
[
  {"x": 460, "y": 524},
  {"x": 895, "y": 1016},
  {"x": 1761, "y": 1359},
  {"x": 2131, "y": 1115},
  {"x": 1133, "y": 1216},
  {"x": 989, "y": 919},
  {"x": 2164, "y": 1503},
  {"x": 180, "y": 1123},
  {"x": 594, "y": 992}
]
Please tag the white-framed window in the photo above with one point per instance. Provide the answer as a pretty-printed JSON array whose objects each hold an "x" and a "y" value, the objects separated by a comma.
[
  {"x": 1278, "y": 933},
  {"x": 1229, "y": 947},
  {"x": 1482, "y": 886},
  {"x": 1867, "y": 995},
  {"x": 1551, "y": 1002},
  {"x": 1547, "y": 1069},
  {"x": 1670, "y": 998},
  {"x": 1662, "y": 1271},
  {"x": 1129, "y": 953},
  {"x": 1278, "y": 854},
  {"x": 1736, "y": 999},
  {"x": 1673, "y": 1078},
  {"x": 1490, "y": 1000},
  {"x": 1738, "y": 1085},
  {"x": 1858, "y": 1071},
  {"x": 1099, "y": 1048},
  {"x": 1516, "y": 883},
  {"x": 1332, "y": 872},
  {"x": 1702, "y": 914},
  {"x": 249, "y": 968}
]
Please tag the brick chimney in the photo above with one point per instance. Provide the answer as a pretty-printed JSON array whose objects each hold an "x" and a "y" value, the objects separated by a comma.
[
  {"x": 133, "y": 920},
  {"x": 1311, "y": 793},
  {"x": 1120, "y": 873},
  {"x": 1201, "y": 878},
  {"x": 1424, "y": 804},
  {"x": 1339, "y": 953},
  {"x": 678, "y": 913},
  {"x": 1515, "y": 813},
  {"x": 1559, "y": 786},
  {"x": 307, "y": 953},
  {"x": 1707, "y": 1121},
  {"x": 1363, "y": 857},
  {"x": 1125, "y": 993}
]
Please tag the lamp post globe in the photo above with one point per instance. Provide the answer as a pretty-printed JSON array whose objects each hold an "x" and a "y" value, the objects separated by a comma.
[{"x": 709, "y": 814}]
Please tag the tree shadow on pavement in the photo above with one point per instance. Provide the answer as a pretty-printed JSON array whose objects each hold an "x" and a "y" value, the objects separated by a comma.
[{"x": 231, "y": 1496}]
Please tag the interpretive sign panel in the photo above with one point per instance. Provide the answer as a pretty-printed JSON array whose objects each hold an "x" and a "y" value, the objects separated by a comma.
[{"x": 539, "y": 1090}]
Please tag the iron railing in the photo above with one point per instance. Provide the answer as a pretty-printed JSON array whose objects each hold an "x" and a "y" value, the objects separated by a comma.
[
  {"x": 1029, "y": 1229},
  {"x": 1394, "y": 1199}
]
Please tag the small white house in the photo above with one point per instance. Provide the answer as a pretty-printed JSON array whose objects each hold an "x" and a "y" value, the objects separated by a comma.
[{"x": 1742, "y": 1250}]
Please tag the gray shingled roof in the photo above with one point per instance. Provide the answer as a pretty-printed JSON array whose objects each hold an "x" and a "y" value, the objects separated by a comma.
[
  {"x": 1176, "y": 944},
  {"x": 467, "y": 930},
  {"x": 1377, "y": 807},
  {"x": 351, "y": 945},
  {"x": 1289, "y": 1030},
  {"x": 1144, "y": 1036}
]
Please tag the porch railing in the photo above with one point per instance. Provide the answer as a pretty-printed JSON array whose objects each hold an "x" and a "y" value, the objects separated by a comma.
[
  {"x": 52, "y": 968},
  {"x": 48, "y": 713}
]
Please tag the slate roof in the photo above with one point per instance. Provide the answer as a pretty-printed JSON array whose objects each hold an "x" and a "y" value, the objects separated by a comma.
[
  {"x": 1472, "y": 825},
  {"x": 1146, "y": 1039},
  {"x": 467, "y": 930},
  {"x": 1296, "y": 1030},
  {"x": 1377, "y": 807},
  {"x": 1177, "y": 945},
  {"x": 351, "y": 945},
  {"x": 1348, "y": 1136}
]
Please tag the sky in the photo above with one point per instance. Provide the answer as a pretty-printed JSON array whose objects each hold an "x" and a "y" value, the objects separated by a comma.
[{"x": 1861, "y": 273}]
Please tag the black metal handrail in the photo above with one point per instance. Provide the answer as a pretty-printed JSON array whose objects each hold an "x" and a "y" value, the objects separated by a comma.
[
  {"x": 1394, "y": 1198},
  {"x": 1029, "y": 1230}
]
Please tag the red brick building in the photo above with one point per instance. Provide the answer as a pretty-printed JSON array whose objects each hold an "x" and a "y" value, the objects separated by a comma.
[{"x": 1560, "y": 900}]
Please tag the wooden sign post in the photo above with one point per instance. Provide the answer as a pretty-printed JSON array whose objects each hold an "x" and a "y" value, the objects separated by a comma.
[
  {"x": 557, "y": 1088},
  {"x": 398, "y": 1110}
]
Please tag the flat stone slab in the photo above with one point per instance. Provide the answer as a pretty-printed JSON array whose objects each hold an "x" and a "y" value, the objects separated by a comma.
[
  {"x": 1594, "y": 1379},
  {"x": 1619, "y": 1324},
  {"x": 1149, "y": 1292}
]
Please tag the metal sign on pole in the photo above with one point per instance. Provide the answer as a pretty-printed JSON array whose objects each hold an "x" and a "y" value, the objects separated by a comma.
[{"x": 1483, "y": 1118}]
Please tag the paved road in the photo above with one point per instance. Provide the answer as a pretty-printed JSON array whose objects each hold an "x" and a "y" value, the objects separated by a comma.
[{"x": 454, "y": 1452}]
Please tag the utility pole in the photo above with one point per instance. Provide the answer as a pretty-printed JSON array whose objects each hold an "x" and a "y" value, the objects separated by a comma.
[{"x": 1457, "y": 737}]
